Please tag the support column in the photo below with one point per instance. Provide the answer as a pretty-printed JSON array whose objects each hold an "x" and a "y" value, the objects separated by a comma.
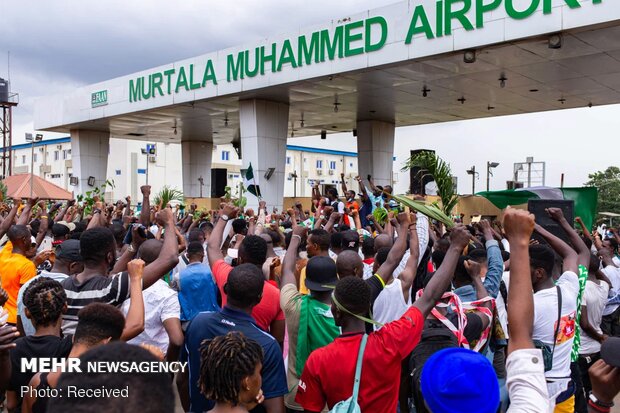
[
  {"x": 264, "y": 126},
  {"x": 196, "y": 158},
  {"x": 89, "y": 158},
  {"x": 375, "y": 150}
]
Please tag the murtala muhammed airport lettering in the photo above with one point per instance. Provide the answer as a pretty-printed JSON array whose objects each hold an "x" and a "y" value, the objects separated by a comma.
[{"x": 348, "y": 38}]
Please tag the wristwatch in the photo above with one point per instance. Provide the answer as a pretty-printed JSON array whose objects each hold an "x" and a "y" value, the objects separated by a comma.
[
  {"x": 224, "y": 217},
  {"x": 596, "y": 401}
]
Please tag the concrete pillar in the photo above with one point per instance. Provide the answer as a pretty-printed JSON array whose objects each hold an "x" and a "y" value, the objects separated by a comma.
[
  {"x": 89, "y": 157},
  {"x": 196, "y": 163},
  {"x": 264, "y": 126},
  {"x": 375, "y": 150}
]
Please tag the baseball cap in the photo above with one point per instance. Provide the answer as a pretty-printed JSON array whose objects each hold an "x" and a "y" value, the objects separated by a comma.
[
  {"x": 610, "y": 351},
  {"x": 321, "y": 274},
  {"x": 69, "y": 225},
  {"x": 69, "y": 250},
  {"x": 458, "y": 380}
]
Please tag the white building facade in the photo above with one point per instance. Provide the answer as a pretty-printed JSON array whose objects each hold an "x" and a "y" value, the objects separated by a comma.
[{"x": 129, "y": 168}]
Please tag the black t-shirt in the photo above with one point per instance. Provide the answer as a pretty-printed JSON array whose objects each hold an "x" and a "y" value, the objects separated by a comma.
[{"x": 30, "y": 347}]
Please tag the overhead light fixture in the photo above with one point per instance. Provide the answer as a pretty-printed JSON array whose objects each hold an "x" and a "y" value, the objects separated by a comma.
[
  {"x": 302, "y": 122},
  {"x": 590, "y": 104},
  {"x": 502, "y": 80},
  {"x": 490, "y": 107},
  {"x": 462, "y": 100},
  {"x": 425, "y": 91},
  {"x": 555, "y": 41},
  {"x": 269, "y": 173},
  {"x": 336, "y": 104},
  {"x": 562, "y": 100},
  {"x": 323, "y": 134},
  {"x": 226, "y": 119},
  {"x": 91, "y": 181},
  {"x": 533, "y": 90},
  {"x": 469, "y": 56},
  {"x": 354, "y": 132}
]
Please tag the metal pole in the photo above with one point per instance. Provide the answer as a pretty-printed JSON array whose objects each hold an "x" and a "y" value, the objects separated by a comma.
[
  {"x": 529, "y": 174},
  {"x": 147, "y": 168},
  {"x": 294, "y": 184},
  {"x": 488, "y": 175},
  {"x": 31, "y": 165},
  {"x": 473, "y": 180}
]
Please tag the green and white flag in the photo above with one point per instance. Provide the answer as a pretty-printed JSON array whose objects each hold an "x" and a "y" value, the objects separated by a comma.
[
  {"x": 585, "y": 199},
  {"x": 250, "y": 182}
]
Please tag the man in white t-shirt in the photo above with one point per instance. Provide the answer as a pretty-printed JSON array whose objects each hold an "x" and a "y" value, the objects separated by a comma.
[
  {"x": 162, "y": 311},
  {"x": 548, "y": 296},
  {"x": 592, "y": 305}
]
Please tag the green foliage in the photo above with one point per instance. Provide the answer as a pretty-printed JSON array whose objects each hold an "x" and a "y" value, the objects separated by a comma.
[
  {"x": 238, "y": 199},
  {"x": 430, "y": 163},
  {"x": 608, "y": 184},
  {"x": 88, "y": 199},
  {"x": 431, "y": 211},
  {"x": 3, "y": 189},
  {"x": 381, "y": 215},
  {"x": 166, "y": 195}
]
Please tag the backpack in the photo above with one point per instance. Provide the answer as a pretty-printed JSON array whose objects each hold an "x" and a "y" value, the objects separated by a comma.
[{"x": 350, "y": 405}]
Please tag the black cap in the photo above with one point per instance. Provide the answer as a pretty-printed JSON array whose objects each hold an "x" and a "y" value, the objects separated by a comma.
[
  {"x": 321, "y": 274},
  {"x": 610, "y": 351},
  {"x": 69, "y": 250}
]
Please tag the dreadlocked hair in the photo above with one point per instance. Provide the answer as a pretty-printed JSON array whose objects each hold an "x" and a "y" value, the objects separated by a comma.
[
  {"x": 224, "y": 362},
  {"x": 45, "y": 300}
]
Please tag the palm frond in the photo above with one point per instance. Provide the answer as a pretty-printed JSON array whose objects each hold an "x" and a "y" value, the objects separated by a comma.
[
  {"x": 430, "y": 211},
  {"x": 431, "y": 164},
  {"x": 168, "y": 194}
]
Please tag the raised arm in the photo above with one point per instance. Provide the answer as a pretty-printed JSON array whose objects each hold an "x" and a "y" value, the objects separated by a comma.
[
  {"x": 288, "y": 266},
  {"x": 518, "y": 225},
  {"x": 10, "y": 218},
  {"x": 214, "y": 251},
  {"x": 397, "y": 251},
  {"x": 439, "y": 283},
  {"x": 407, "y": 276},
  {"x": 343, "y": 184},
  {"x": 495, "y": 263},
  {"x": 582, "y": 249},
  {"x": 134, "y": 321},
  {"x": 169, "y": 255},
  {"x": 568, "y": 254},
  {"x": 145, "y": 212},
  {"x": 24, "y": 217},
  {"x": 583, "y": 227}
]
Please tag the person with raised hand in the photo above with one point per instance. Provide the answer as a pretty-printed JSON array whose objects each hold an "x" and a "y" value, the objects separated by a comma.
[{"x": 526, "y": 381}]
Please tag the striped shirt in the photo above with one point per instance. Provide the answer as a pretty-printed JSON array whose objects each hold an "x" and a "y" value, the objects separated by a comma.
[{"x": 113, "y": 289}]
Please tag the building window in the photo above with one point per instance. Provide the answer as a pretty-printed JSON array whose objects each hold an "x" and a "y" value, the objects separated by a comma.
[
  {"x": 350, "y": 164},
  {"x": 56, "y": 155},
  {"x": 319, "y": 164},
  {"x": 288, "y": 160},
  {"x": 332, "y": 165},
  {"x": 34, "y": 157},
  {"x": 225, "y": 155},
  {"x": 64, "y": 154},
  {"x": 68, "y": 151},
  {"x": 54, "y": 176},
  {"x": 24, "y": 159},
  {"x": 118, "y": 172}
]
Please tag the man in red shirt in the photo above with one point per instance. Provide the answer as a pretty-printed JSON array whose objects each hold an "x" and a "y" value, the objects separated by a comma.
[
  {"x": 329, "y": 372},
  {"x": 253, "y": 250}
]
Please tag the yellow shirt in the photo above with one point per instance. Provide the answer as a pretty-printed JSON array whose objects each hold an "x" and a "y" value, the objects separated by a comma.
[{"x": 15, "y": 271}]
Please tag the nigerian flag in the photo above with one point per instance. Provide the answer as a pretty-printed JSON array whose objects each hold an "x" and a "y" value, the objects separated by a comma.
[
  {"x": 585, "y": 199},
  {"x": 250, "y": 182}
]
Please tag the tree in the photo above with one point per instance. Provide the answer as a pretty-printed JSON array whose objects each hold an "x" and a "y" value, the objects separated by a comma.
[
  {"x": 608, "y": 184},
  {"x": 432, "y": 164}
]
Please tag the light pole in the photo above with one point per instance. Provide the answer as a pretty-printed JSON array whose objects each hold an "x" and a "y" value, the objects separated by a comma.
[
  {"x": 490, "y": 165},
  {"x": 150, "y": 150},
  {"x": 29, "y": 138},
  {"x": 473, "y": 174},
  {"x": 202, "y": 183}
]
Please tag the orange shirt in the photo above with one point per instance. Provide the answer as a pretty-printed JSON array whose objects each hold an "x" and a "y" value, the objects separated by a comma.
[{"x": 15, "y": 271}]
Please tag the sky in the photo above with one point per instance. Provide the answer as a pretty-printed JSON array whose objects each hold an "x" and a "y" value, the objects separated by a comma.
[{"x": 60, "y": 45}]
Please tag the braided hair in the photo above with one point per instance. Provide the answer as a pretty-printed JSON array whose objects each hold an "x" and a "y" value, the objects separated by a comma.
[
  {"x": 45, "y": 299},
  {"x": 224, "y": 362}
]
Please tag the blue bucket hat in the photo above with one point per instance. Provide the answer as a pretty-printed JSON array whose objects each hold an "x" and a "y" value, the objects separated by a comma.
[{"x": 457, "y": 380}]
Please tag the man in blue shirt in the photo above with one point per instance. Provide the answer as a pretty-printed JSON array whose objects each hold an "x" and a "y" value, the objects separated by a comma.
[
  {"x": 244, "y": 290},
  {"x": 197, "y": 290}
]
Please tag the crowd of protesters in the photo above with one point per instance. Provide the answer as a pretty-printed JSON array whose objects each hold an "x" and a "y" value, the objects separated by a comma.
[{"x": 332, "y": 308}]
